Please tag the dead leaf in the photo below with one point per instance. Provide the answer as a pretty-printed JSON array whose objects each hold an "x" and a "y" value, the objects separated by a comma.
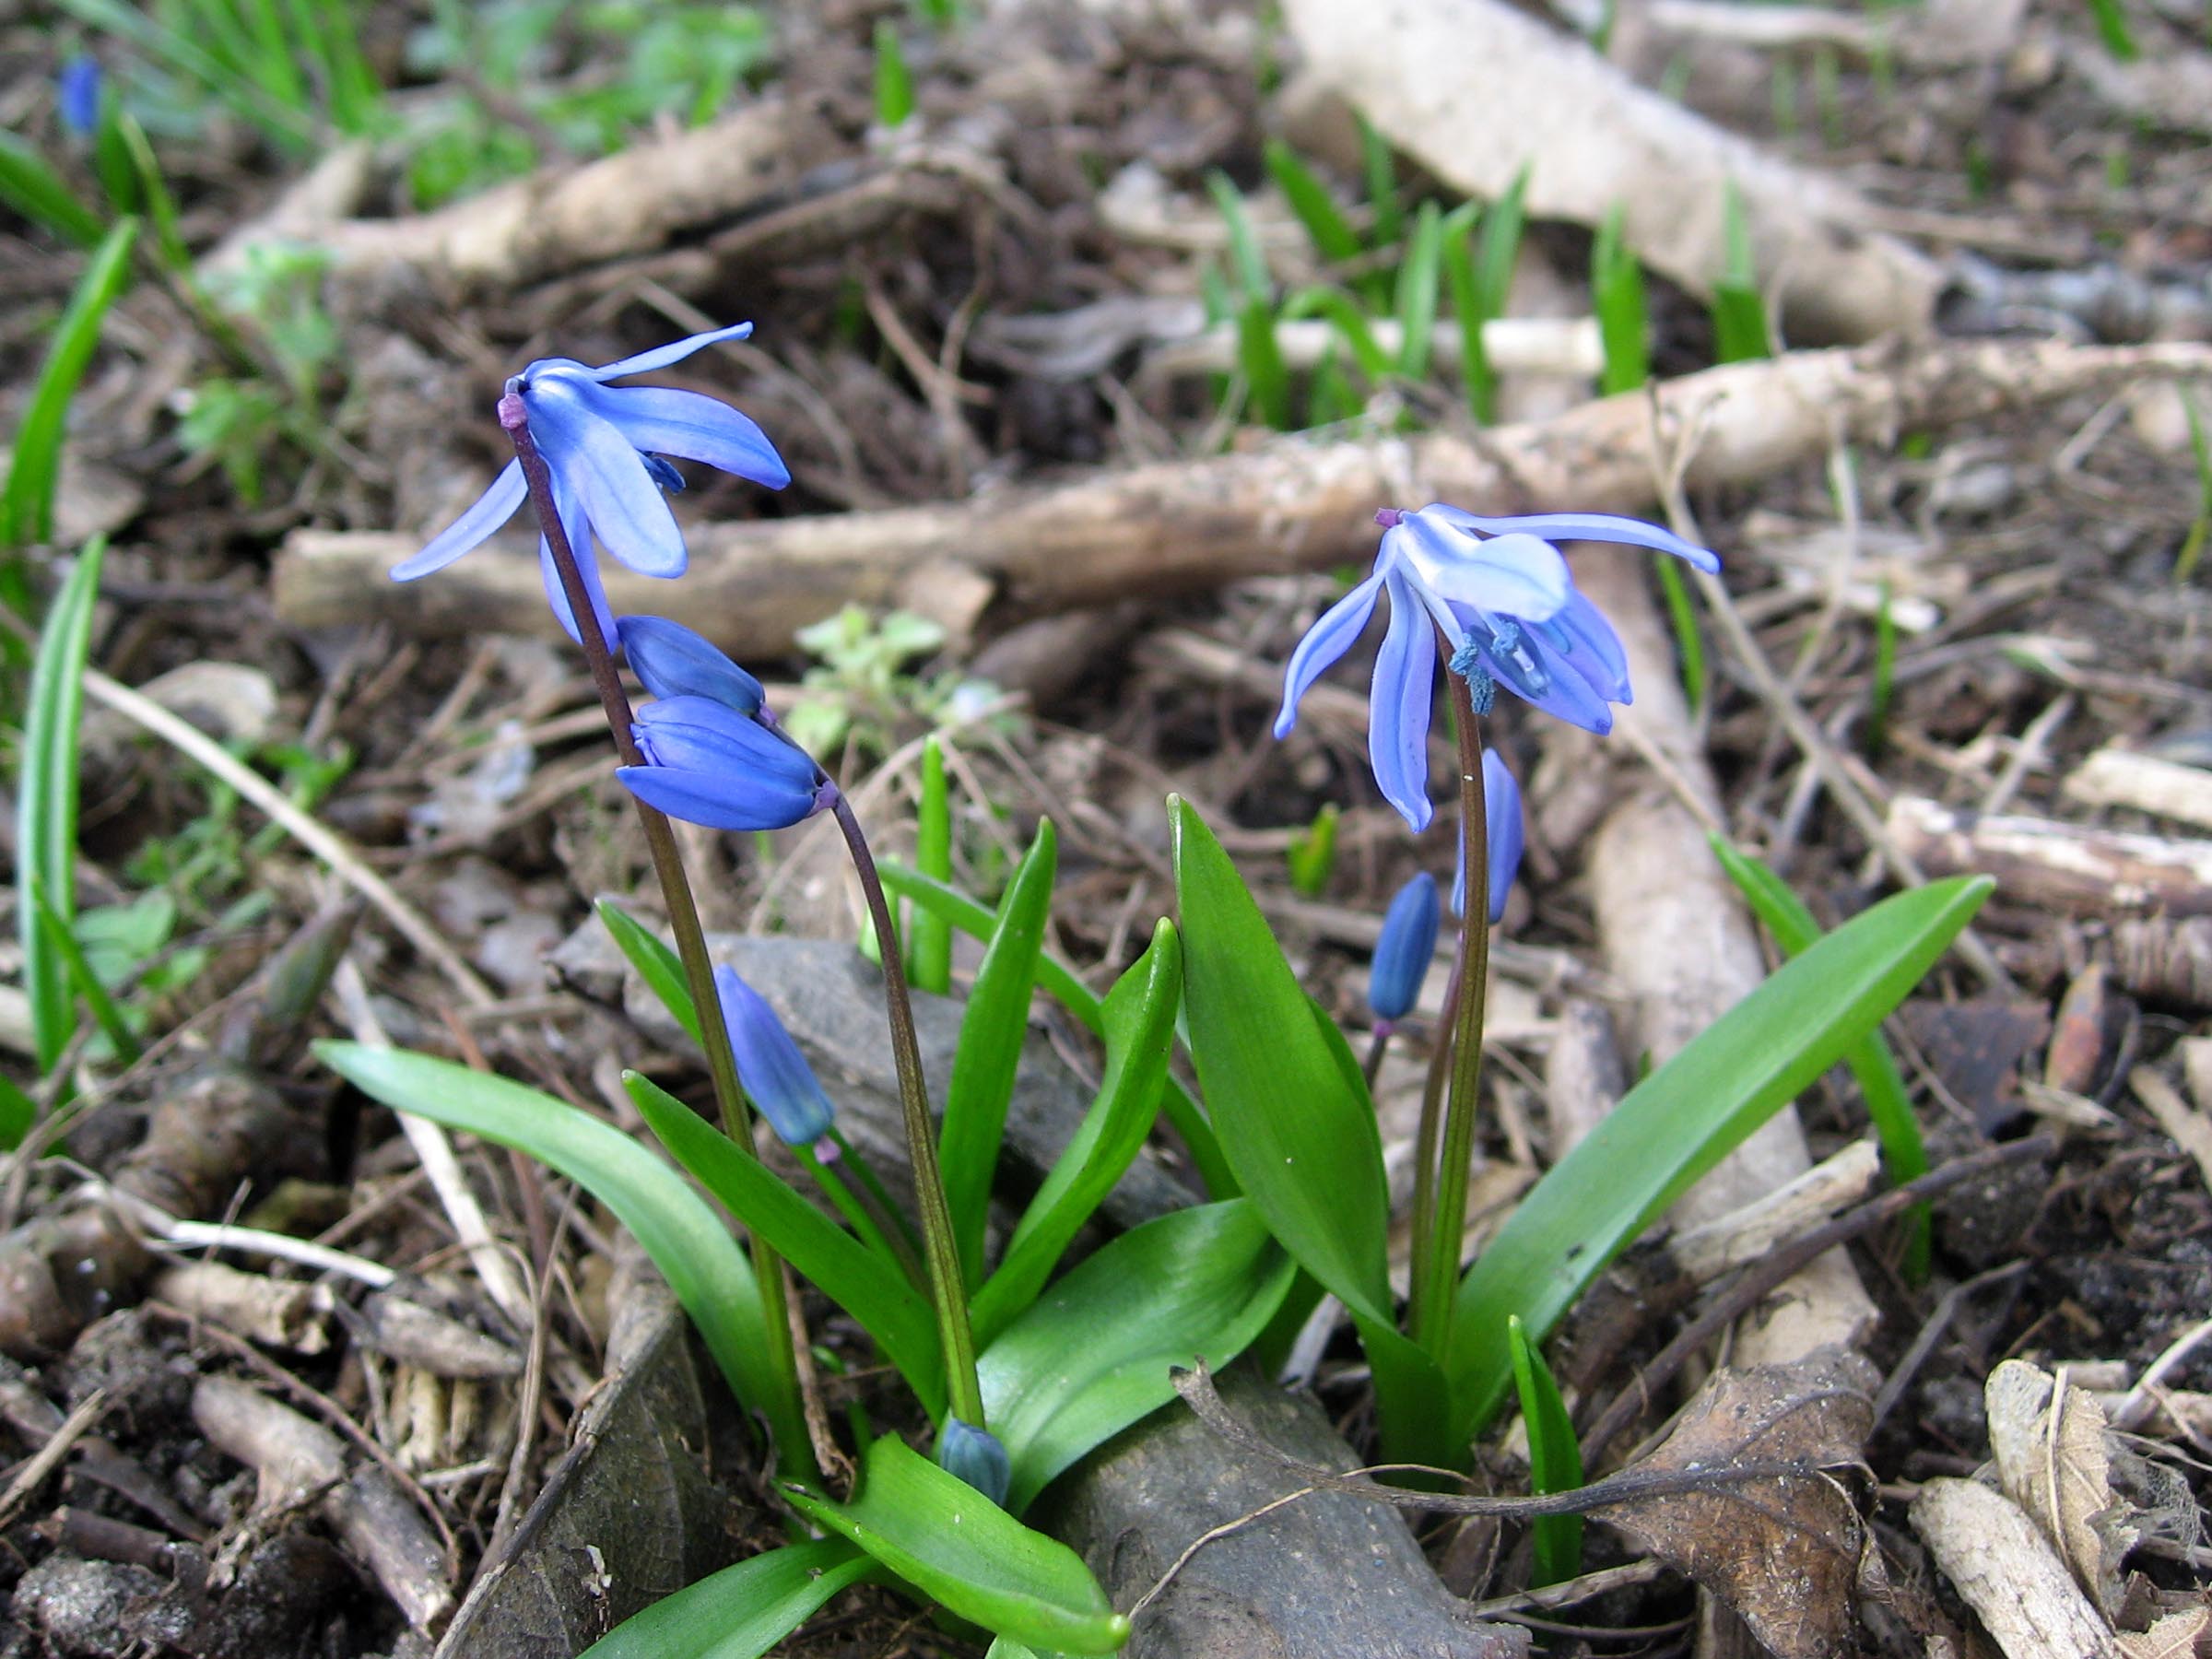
[
  {"x": 2052, "y": 1461},
  {"x": 1786, "y": 1550},
  {"x": 2173, "y": 1637}
]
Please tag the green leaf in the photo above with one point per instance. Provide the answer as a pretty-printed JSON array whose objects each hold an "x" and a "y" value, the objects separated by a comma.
[
  {"x": 1092, "y": 1356},
  {"x": 83, "y": 981},
  {"x": 1340, "y": 309},
  {"x": 742, "y": 1611},
  {"x": 656, "y": 962},
  {"x": 1059, "y": 982},
  {"x": 894, "y": 86},
  {"x": 1683, "y": 615},
  {"x": 1554, "y": 1461},
  {"x": 1334, "y": 238},
  {"x": 1685, "y": 1118},
  {"x": 18, "y": 1113},
  {"x": 1872, "y": 1066},
  {"x": 1500, "y": 250},
  {"x": 992, "y": 1033},
  {"x": 1616, "y": 292},
  {"x": 1260, "y": 359},
  {"x": 1381, "y": 169},
  {"x": 685, "y": 1238},
  {"x": 951, "y": 1542},
  {"x": 1313, "y": 853},
  {"x": 46, "y": 800},
  {"x": 37, "y": 192},
  {"x": 154, "y": 194},
  {"x": 1248, "y": 259},
  {"x": 1739, "y": 315},
  {"x": 843, "y": 1269},
  {"x": 1302, "y": 1144},
  {"x": 1416, "y": 292},
  {"x": 27, "y": 503},
  {"x": 928, "y": 936},
  {"x": 1140, "y": 1030}
]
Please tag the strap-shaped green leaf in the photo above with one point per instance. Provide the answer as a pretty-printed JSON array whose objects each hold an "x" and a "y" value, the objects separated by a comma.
[
  {"x": 1091, "y": 1358},
  {"x": 992, "y": 1033},
  {"x": 845, "y": 1270},
  {"x": 742, "y": 1611},
  {"x": 1685, "y": 1118},
  {"x": 688, "y": 1242},
  {"x": 26, "y": 501},
  {"x": 955, "y": 1546},
  {"x": 656, "y": 962},
  {"x": 1555, "y": 1460},
  {"x": 1140, "y": 1030}
]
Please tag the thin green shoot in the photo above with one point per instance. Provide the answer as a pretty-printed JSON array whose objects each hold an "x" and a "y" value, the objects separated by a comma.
[
  {"x": 894, "y": 86},
  {"x": 153, "y": 196},
  {"x": 2193, "y": 545},
  {"x": 1388, "y": 218},
  {"x": 1334, "y": 238},
  {"x": 27, "y": 502},
  {"x": 1266, "y": 379},
  {"x": 1555, "y": 1460},
  {"x": 1739, "y": 314},
  {"x": 928, "y": 936},
  {"x": 1247, "y": 257},
  {"x": 1313, "y": 853},
  {"x": 1418, "y": 276},
  {"x": 82, "y": 981},
  {"x": 1480, "y": 280},
  {"x": 1617, "y": 295},
  {"x": 1828, "y": 94},
  {"x": 38, "y": 192},
  {"x": 2113, "y": 30},
  {"x": 944, "y": 16},
  {"x": 18, "y": 1113},
  {"x": 46, "y": 801},
  {"x": 1885, "y": 673},
  {"x": 1339, "y": 309}
]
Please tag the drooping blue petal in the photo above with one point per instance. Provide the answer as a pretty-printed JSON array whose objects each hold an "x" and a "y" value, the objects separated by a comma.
[
  {"x": 489, "y": 510},
  {"x": 692, "y": 426},
  {"x": 1502, "y": 834},
  {"x": 1586, "y": 527},
  {"x": 578, "y": 529},
  {"x": 1327, "y": 640},
  {"x": 670, "y": 660},
  {"x": 1531, "y": 671},
  {"x": 1520, "y": 575},
  {"x": 774, "y": 1073},
  {"x": 602, "y": 469},
  {"x": 1398, "y": 704},
  {"x": 976, "y": 1456},
  {"x": 706, "y": 764},
  {"x": 660, "y": 357},
  {"x": 1405, "y": 950},
  {"x": 1592, "y": 647}
]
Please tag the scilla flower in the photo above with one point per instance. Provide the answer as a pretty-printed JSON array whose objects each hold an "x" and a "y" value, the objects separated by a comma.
[
  {"x": 604, "y": 446},
  {"x": 1502, "y": 597},
  {"x": 670, "y": 660},
  {"x": 707, "y": 764},
  {"x": 1502, "y": 832},
  {"x": 77, "y": 91},
  {"x": 774, "y": 1073},
  {"x": 1405, "y": 950}
]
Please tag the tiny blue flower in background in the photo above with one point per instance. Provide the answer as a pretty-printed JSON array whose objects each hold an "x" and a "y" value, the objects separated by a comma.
[
  {"x": 76, "y": 92},
  {"x": 769, "y": 1064},
  {"x": 975, "y": 1455},
  {"x": 1405, "y": 950},
  {"x": 707, "y": 764},
  {"x": 670, "y": 660},
  {"x": 1502, "y": 830},
  {"x": 602, "y": 445},
  {"x": 1505, "y": 598}
]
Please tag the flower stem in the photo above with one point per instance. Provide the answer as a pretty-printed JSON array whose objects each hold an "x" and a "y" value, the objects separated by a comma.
[
  {"x": 683, "y": 920},
  {"x": 1436, "y": 1267},
  {"x": 1377, "y": 1045},
  {"x": 1424, "y": 1153},
  {"x": 940, "y": 1249}
]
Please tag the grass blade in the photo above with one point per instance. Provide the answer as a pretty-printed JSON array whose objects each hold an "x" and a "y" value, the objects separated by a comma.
[
  {"x": 1739, "y": 314},
  {"x": 1334, "y": 238},
  {"x": 1416, "y": 292},
  {"x": 37, "y": 192},
  {"x": 657, "y": 965},
  {"x": 928, "y": 935},
  {"x": 27, "y": 503},
  {"x": 1248, "y": 259},
  {"x": 1616, "y": 291},
  {"x": 82, "y": 980},
  {"x": 742, "y": 1611},
  {"x": 1554, "y": 1461}
]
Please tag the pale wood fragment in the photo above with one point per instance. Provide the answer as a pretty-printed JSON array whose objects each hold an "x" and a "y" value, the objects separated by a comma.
[
  {"x": 2007, "y": 1571},
  {"x": 2113, "y": 777},
  {"x": 2062, "y": 866}
]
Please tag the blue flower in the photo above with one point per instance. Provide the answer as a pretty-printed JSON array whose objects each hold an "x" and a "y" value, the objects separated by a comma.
[
  {"x": 1502, "y": 832},
  {"x": 1405, "y": 950},
  {"x": 670, "y": 660},
  {"x": 707, "y": 764},
  {"x": 774, "y": 1073},
  {"x": 976, "y": 1456},
  {"x": 1502, "y": 596},
  {"x": 77, "y": 93},
  {"x": 602, "y": 445}
]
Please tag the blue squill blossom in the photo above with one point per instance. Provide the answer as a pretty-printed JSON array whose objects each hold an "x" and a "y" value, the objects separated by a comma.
[
  {"x": 1405, "y": 950},
  {"x": 1502, "y": 832},
  {"x": 77, "y": 96},
  {"x": 1501, "y": 596},
  {"x": 774, "y": 1073},
  {"x": 604, "y": 446},
  {"x": 707, "y": 764},
  {"x": 977, "y": 1456},
  {"x": 670, "y": 660}
]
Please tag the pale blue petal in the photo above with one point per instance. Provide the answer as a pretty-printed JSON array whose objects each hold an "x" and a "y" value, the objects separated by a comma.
[
  {"x": 1397, "y": 708},
  {"x": 578, "y": 530},
  {"x": 660, "y": 357},
  {"x": 1596, "y": 654},
  {"x": 1520, "y": 575},
  {"x": 1405, "y": 950},
  {"x": 769, "y": 1066},
  {"x": 1326, "y": 641},
  {"x": 713, "y": 800},
  {"x": 1503, "y": 828},
  {"x": 1553, "y": 686},
  {"x": 600, "y": 468},
  {"x": 492, "y": 508},
  {"x": 1586, "y": 527},
  {"x": 690, "y": 426}
]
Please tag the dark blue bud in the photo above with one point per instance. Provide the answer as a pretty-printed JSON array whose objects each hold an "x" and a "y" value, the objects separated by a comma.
[
  {"x": 671, "y": 661},
  {"x": 775, "y": 1074},
  {"x": 975, "y": 1455},
  {"x": 1502, "y": 829},
  {"x": 1403, "y": 954},
  {"x": 77, "y": 91},
  {"x": 707, "y": 764}
]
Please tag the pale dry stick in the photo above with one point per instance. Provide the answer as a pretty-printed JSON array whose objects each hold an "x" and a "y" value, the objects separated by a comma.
[
  {"x": 2189, "y": 1128},
  {"x": 331, "y": 848},
  {"x": 48, "y": 1457},
  {"x": 439, "y": 1163},
  {"x": 2030, "y": 748},
  {"x": 2139, "y": 1401},
  {"x": 1213, "y": 1534},
  {"x": 1590, "y": 1585}
]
